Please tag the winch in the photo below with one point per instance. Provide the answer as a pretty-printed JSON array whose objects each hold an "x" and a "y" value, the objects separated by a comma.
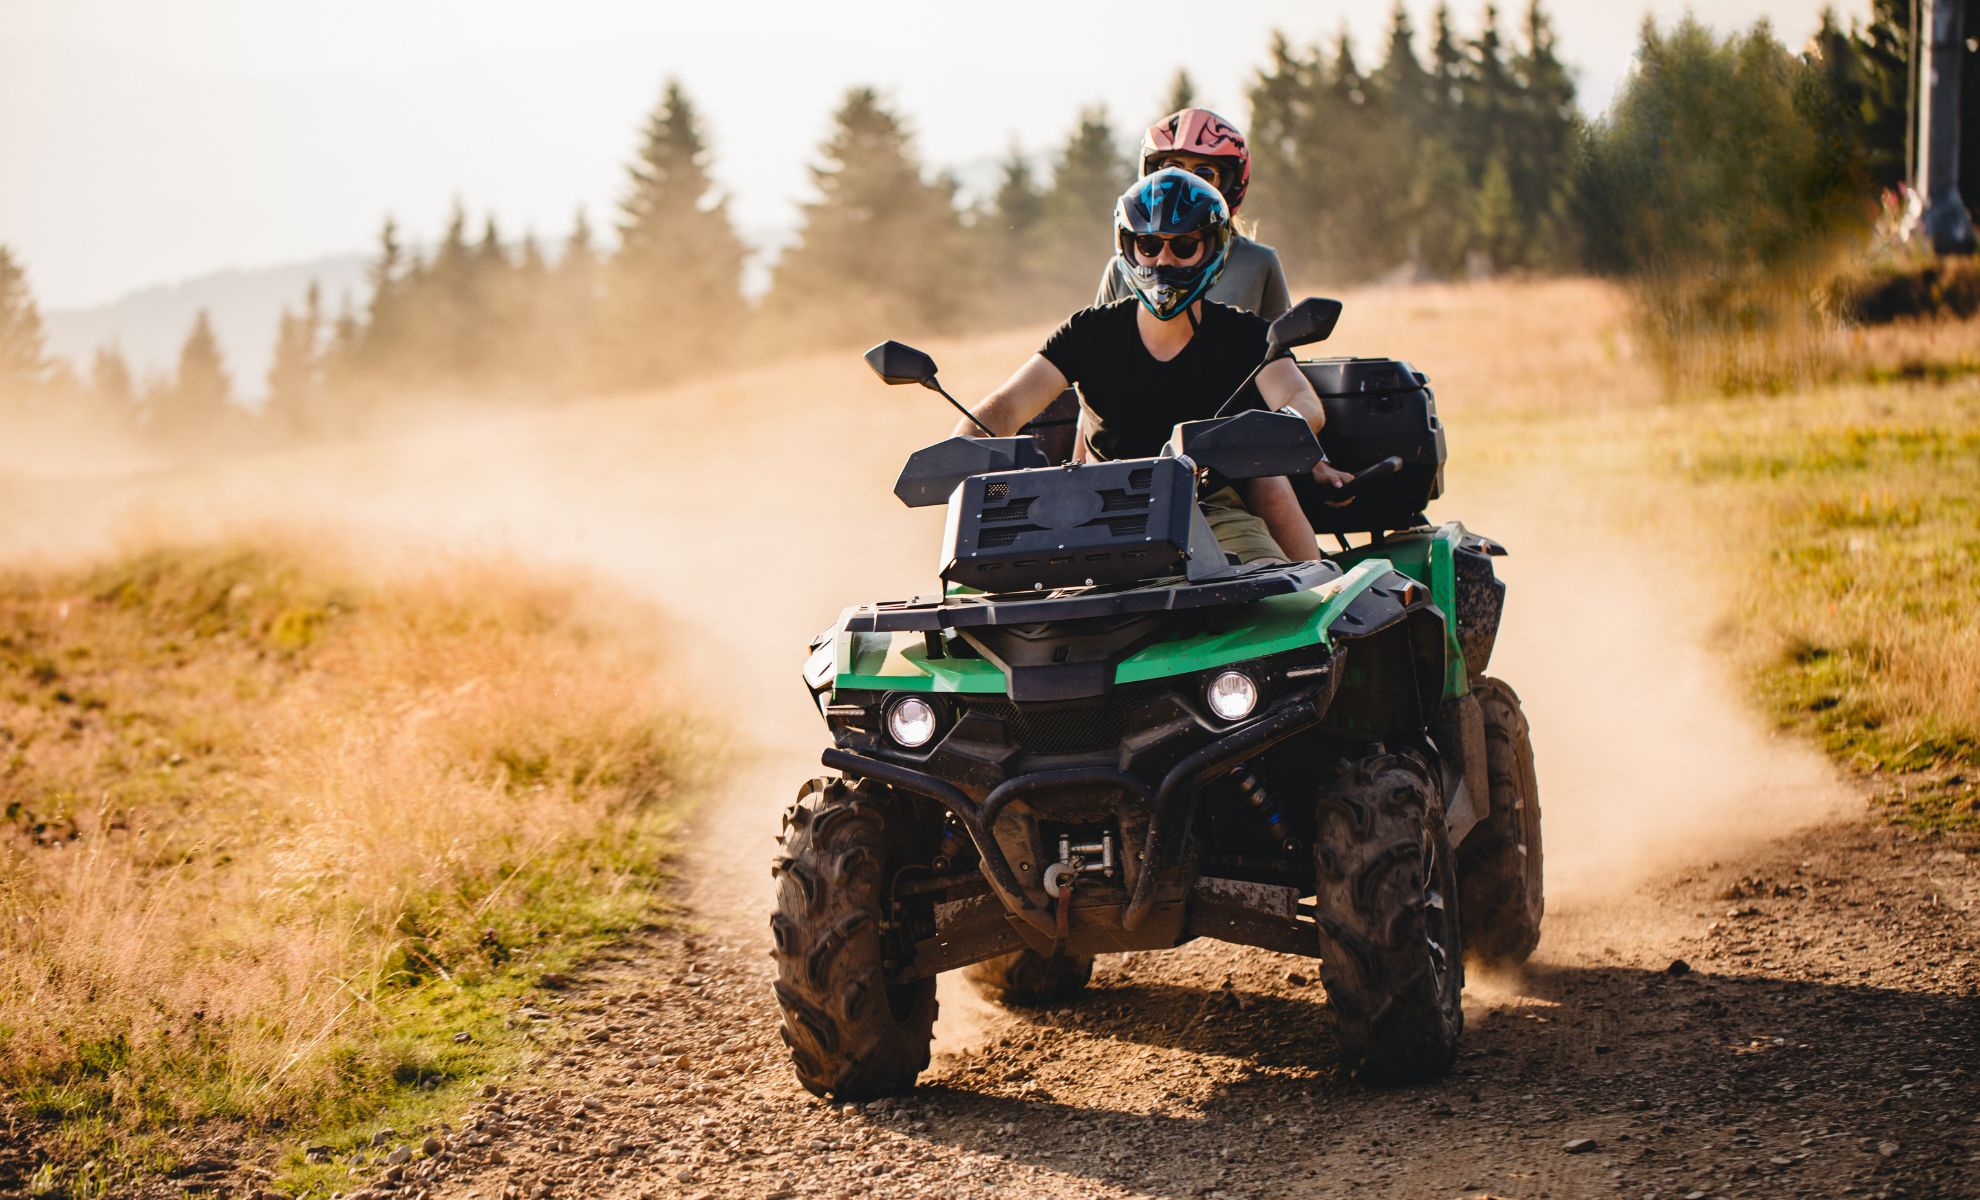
[{"x": 1079, "y": 858}]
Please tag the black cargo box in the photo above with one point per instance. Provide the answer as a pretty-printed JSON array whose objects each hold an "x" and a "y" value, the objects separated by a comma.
[
  {"x": 1376, "y": 407},
  {"x": 1054, "y": 527}
]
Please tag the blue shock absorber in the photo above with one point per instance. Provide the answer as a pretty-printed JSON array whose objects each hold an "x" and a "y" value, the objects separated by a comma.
[{"x": 1261, "y": 804}]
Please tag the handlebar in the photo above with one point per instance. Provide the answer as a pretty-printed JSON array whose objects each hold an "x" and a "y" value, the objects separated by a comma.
[{"x": 1369, "y": 474}]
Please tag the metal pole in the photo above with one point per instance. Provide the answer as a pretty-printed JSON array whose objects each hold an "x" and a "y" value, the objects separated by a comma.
[{"x": 1946, "y": 221}]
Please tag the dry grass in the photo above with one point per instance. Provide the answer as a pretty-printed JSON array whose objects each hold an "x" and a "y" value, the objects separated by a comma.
[
  {"x": 1841, "y": 519},
  {"x": 276, "y": 835},
  {"x": 1851, "y": 517}
]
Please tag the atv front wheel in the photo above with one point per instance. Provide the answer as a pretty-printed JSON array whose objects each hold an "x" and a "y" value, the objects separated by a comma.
[
  {"x": 1028, "y": 979},
  {"x": 852, "y": 1033},
  {"x": 1390, "y": 949},
  {"x": 1499, "y": 865}
]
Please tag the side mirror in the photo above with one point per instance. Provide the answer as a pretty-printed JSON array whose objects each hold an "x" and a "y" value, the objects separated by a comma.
[
  {"x": 1311, "y": 320},
  {"x": 895, "y": 362}
]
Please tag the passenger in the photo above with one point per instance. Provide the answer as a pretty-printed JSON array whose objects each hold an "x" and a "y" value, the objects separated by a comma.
[
  {"x": 1211, "y": 148},
  {"x": 1140, "y": 371}
]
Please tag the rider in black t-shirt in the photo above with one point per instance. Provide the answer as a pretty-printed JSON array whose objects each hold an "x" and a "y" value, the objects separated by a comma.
[{"x": 1140, "y": 371}]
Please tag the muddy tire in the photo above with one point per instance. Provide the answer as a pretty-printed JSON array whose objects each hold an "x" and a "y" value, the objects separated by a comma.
[
  {"x": 1500, "y": 894},
  {"x": 1028, "y": 979},
  {"x": 851, "y": 1033},
  {"x": 1390, "y": 948}
]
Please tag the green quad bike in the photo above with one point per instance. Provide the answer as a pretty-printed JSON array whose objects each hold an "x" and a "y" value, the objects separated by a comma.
[{"x": 1104, "y": 736}]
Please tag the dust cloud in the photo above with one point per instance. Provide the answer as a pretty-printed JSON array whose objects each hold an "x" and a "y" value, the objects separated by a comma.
[
  {"x": 750, "y": 508},
  {"x": 1648, "y": 759}
]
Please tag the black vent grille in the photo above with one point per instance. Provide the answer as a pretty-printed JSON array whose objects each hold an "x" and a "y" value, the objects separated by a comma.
[
  {"x": 996, "y": 491},
  {"x": 1016, "y": 510},
  {"x": 1141, "y": 478},
  {"x": 1116, "y": 500},
  {"x": 1069, "y": 729},
  {"x": 1004, "y": 535}
]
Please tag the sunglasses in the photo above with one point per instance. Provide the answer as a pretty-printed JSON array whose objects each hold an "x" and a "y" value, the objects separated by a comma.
[{"x": 1184, "y": 246}]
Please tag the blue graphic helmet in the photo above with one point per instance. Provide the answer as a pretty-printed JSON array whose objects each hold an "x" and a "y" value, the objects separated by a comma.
[{"x": 1173, "y": 206}]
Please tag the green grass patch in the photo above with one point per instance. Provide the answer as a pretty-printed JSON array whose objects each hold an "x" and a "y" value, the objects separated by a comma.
[{"x": 1859, "y": 604}]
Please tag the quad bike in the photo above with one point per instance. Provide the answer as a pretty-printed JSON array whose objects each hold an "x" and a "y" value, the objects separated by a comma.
[{"x": 1105, "y": 736}]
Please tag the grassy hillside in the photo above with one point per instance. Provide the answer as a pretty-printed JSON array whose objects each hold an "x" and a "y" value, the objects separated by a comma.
[
  {"x": 1856, "y": 513},
  {"x": 1838, "y": 515},
  {"x": 284, "y": 847}
]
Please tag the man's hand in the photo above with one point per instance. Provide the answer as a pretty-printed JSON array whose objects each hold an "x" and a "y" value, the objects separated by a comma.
[{"x": 1327, "y": 475}]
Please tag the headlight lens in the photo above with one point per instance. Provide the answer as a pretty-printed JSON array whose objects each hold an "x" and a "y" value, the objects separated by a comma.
[
  {"x": 911, "y": 722},
  {"x": 1232, "y": 695}
]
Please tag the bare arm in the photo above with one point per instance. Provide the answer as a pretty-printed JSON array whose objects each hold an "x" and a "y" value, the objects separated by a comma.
[
  {"x": 1023, "y": 396},
  {"x": 1284, "y": 385},
  {"x": 1275, "y": 504}
]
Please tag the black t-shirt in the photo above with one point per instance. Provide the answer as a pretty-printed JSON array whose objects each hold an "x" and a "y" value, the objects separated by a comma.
[{"x": 1131, "y": 400}]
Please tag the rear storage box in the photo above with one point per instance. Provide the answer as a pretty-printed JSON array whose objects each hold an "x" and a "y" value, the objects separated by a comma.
[{"x": 1376, "y": 407}]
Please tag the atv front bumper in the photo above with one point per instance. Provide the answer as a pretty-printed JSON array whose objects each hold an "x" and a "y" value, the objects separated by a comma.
[{"x": 1158, "y": 808}]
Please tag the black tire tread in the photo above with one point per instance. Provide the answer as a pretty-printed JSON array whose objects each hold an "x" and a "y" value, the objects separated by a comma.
[
  {"x": 1395, "y": 1022},
  {"x": 839, "y": 1019},
  {"x": 1500, "y": 867}
]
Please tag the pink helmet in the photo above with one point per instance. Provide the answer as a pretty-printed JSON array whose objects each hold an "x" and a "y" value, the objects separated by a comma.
[{"x": 1200, "y": 131}]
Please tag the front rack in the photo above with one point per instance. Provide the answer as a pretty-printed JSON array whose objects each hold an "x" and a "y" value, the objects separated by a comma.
[{"x": 924, "y": 614}]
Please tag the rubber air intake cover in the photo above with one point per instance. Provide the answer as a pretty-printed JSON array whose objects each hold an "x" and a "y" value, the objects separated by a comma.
[
  {"x": 1376, "y": 407},
  {"x": 1054, "y": 527}
]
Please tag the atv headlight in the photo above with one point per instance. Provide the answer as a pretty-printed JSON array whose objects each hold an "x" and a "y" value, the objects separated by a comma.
[
  {"x": 1232, "y": 695},
  {"x": 911, "y": 722}
]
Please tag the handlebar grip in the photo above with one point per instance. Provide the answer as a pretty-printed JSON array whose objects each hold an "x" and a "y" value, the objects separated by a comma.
[{"x": 1379, "y": 470}]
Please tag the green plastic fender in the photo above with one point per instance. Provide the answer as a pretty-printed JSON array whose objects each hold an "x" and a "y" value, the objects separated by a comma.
[
  {"x": 899, "y": 662},
  {"x": 1425, "y": 555}
]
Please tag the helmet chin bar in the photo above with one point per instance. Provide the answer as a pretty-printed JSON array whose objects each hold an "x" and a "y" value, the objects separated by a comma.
[{"x": 1165, "y": 296}]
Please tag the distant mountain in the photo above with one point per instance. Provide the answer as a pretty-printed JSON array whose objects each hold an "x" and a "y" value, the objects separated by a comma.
[{"x": 150, "y": 325}]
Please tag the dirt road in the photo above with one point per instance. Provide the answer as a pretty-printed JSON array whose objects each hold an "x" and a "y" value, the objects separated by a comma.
[{"x": 1744, "y": 989}]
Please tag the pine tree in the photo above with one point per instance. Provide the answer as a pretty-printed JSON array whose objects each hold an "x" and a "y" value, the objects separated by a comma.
[
  {"x": 676, "y": 280},
  {"x": 1077, "y": 225},
  {"x": 1007, "y": 234},
  {"x": 447, "y": 307},
  {"x": 880, "y": 249},
  {"x": 341, "y": 370},
  {"x": 1447, "y": 71},
  {"x": 200, "y": 395},
  {"x": 1866, "y": 71},
  {"x": 493, "y": 308},
  {"x": 1401, "y": 81},
  {"x": 295, "y": 377},
  {"x": 1495, "y": 217},
  {"x": 385, "y": 336},
  {"x": 1708, "y": 180},
  {"x": 1486, "y": 94},
  {"x": 1350, "y": 159},
  {"x": 537, "y": 322},
  {"x": 1281, "y": 199},
  {"x": 23, "y": 352},
  {"x": 1541, "y": 147}
]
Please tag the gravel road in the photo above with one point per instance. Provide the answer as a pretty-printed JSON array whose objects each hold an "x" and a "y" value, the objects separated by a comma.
[{"x": 1808, "y": 1025}]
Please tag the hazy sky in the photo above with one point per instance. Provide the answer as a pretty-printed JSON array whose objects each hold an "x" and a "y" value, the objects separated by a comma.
[{"x": 144, "y": 141}]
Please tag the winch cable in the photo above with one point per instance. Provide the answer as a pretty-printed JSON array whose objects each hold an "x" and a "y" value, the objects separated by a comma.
[{"x": 1065, "y": 912}]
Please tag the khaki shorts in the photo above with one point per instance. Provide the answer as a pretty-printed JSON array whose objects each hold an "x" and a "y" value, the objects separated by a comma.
[{"x": 1240, "y": 531}]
